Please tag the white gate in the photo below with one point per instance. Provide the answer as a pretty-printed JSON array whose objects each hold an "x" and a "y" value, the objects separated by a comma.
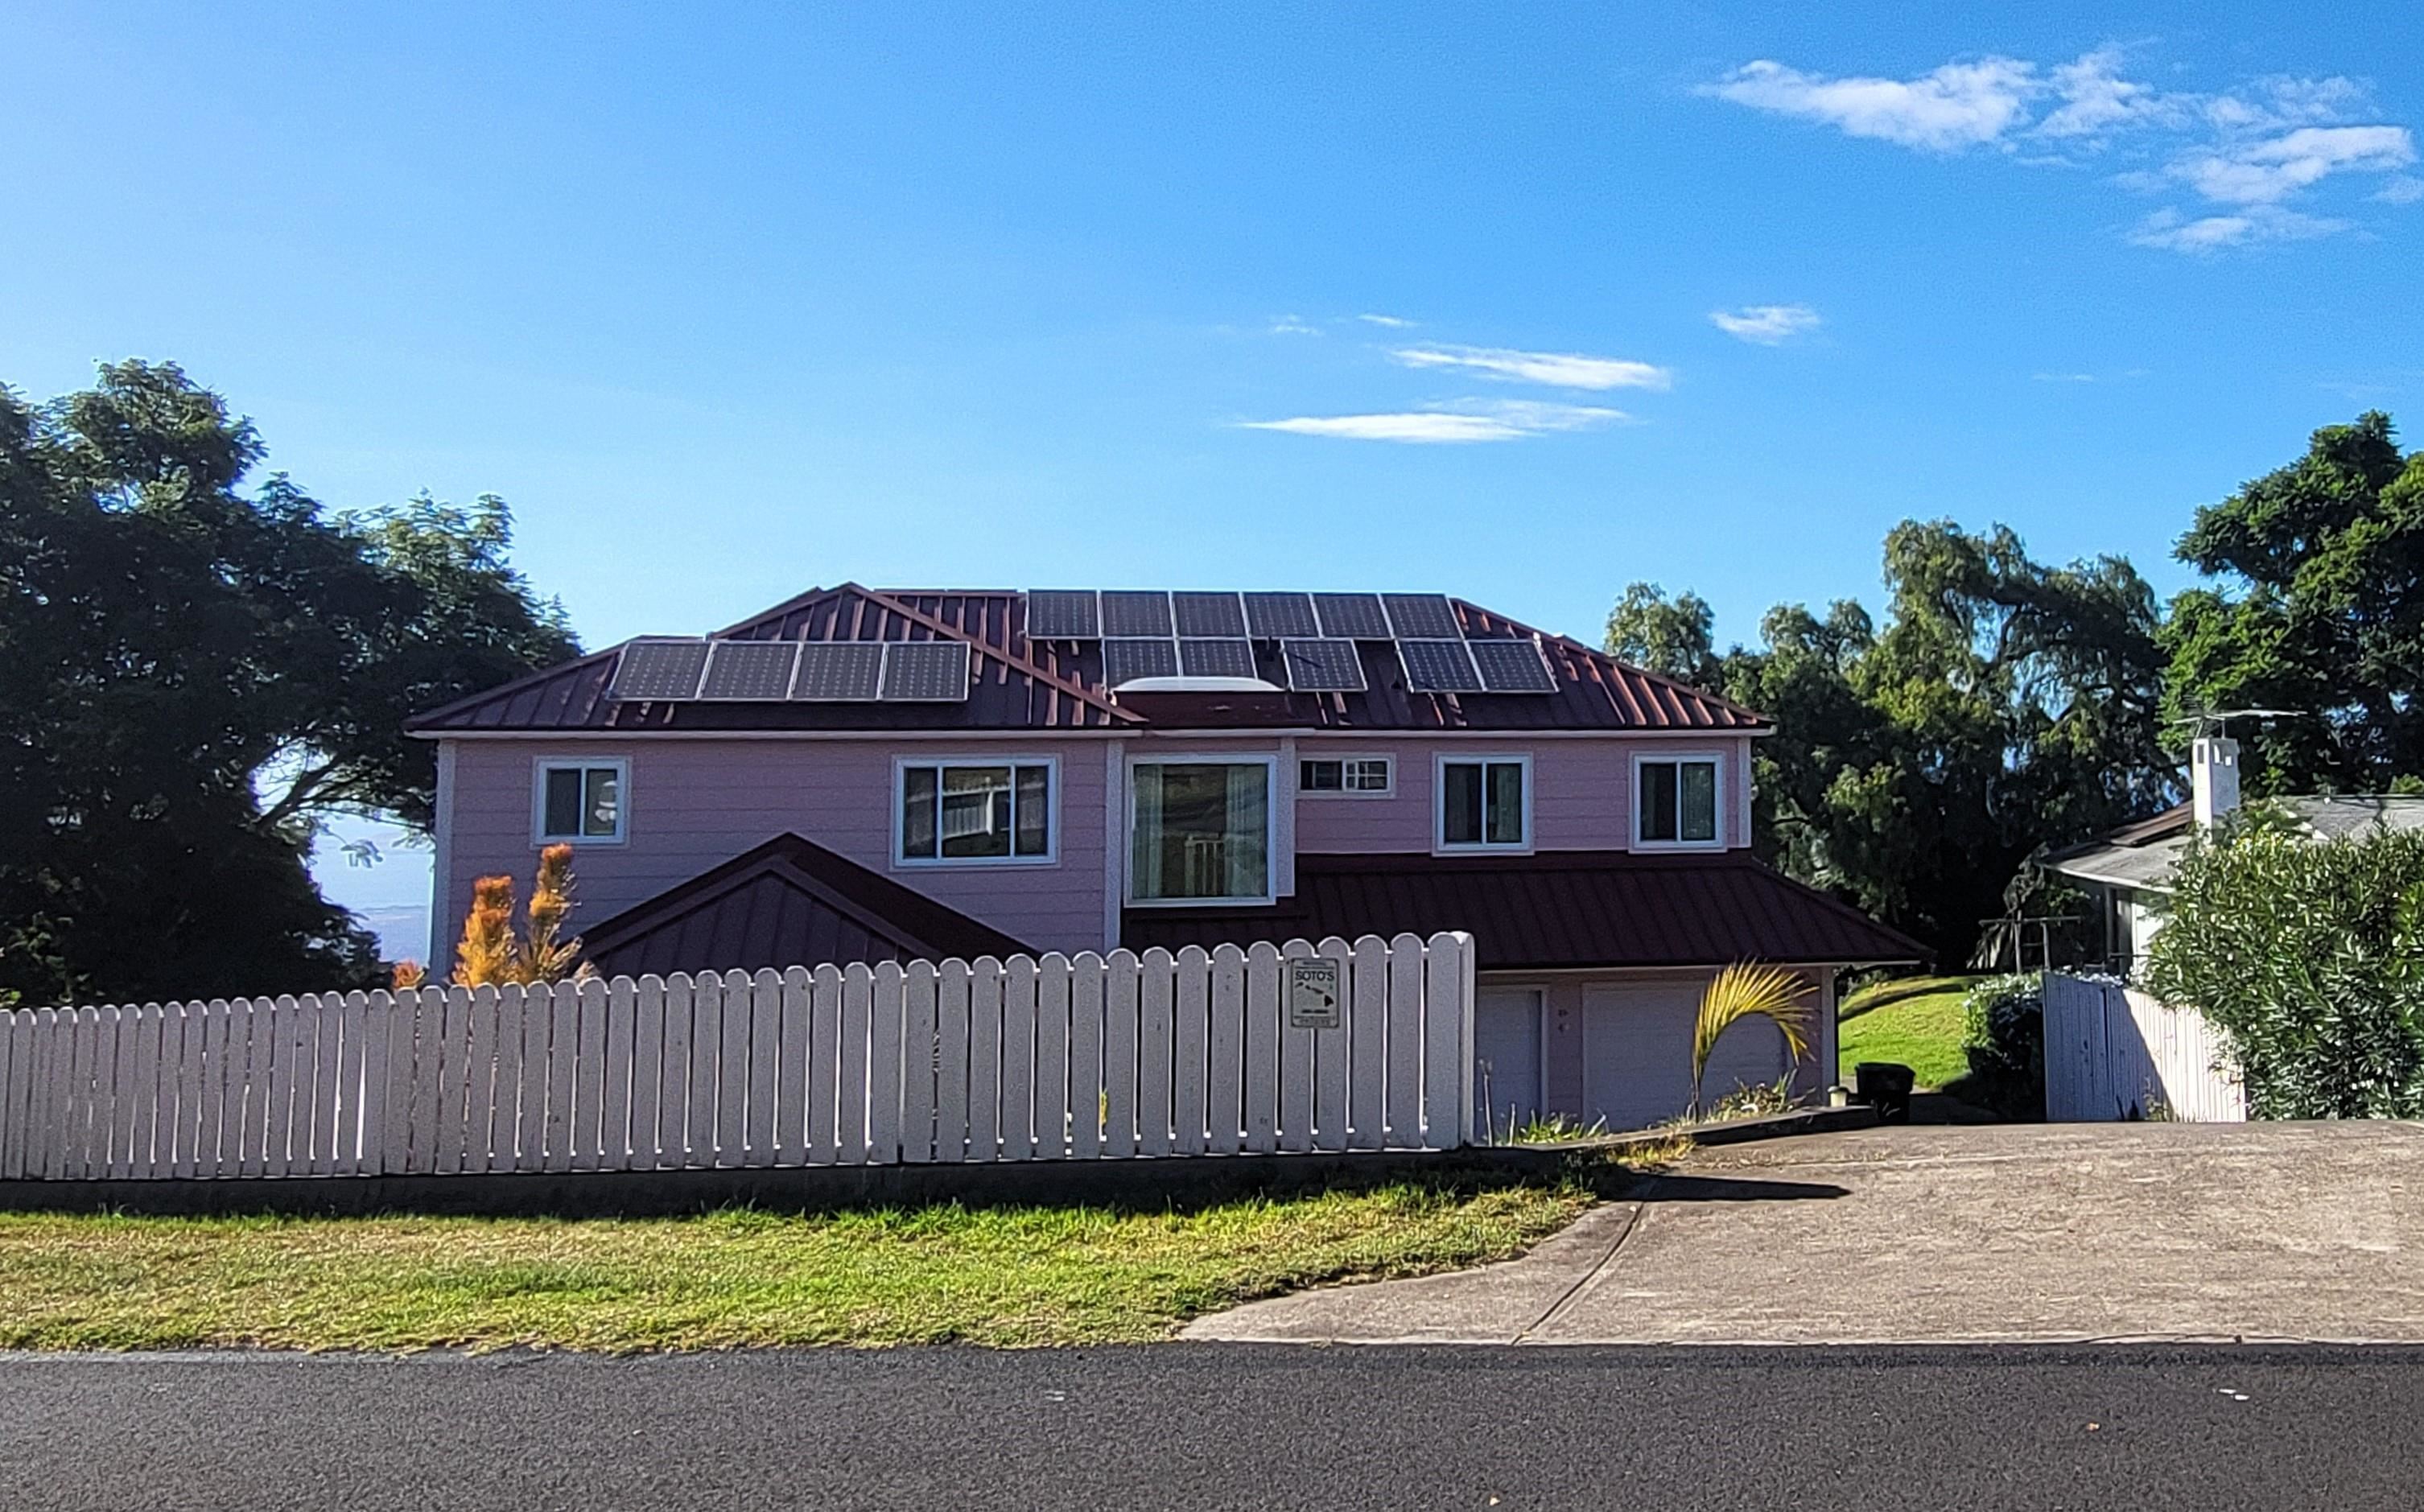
[
  {"x": 1061, "y": 1057},
  {"x": 2112, "y": 1052}
]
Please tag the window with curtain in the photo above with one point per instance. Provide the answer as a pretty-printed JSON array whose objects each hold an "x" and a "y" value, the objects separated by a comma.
[
  {"x": 581, "y": 800},
  {"x": 1677, "y": 801},
  {"x": 976, "y": 811},
  {"x": 1483, "y": 804},
  {"x": 1203, "y": 831}
]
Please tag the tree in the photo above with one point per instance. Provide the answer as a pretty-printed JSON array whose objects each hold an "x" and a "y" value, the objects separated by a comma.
[
  {"x": 1748, "y": 990},
  {"x": 2006, "y": 705},
  {"x": 2321, "y": 612},
  {"x": 195, "y": 675}
]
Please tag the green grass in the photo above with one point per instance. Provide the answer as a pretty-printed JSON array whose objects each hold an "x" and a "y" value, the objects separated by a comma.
[
  {"x": 991, "y": 1276},
  {"x": 1915, "y": 1021}
]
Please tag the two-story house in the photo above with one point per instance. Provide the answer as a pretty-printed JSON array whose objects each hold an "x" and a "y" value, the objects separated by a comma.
[{"x": 862, "y": 775}]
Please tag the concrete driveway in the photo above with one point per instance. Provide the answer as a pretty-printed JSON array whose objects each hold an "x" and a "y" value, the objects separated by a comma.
[{"x": 2002, "y": 1232}]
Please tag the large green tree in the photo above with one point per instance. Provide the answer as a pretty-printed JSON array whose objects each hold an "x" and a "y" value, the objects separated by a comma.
[
  {"x": 196, "y": 674},
  {"x": 2005, "y": 705},
  {"x": 2318, "y": 612}
]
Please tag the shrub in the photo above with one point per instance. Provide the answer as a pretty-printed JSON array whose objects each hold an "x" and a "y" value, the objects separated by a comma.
[
  {"x": 2006, "y": 1041},
  {"x": 1762, "y": 1100},
  {"x": 2310, "y": 958}
]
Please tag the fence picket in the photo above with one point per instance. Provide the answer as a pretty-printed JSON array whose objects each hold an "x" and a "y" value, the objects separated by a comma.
[
  {"x": 139, "y": 1112},
  {"x": 114, "y": 1097},
  {"x": 535, "y": 1010},
  {"x": 648, "y": 1071},
  {"x": 791, "y": 1074},
  {"x": 1157, "y": 1054},
  {"x": 1017, "y": 1126},
  {"x": 765, "y": 1058},
  {"x": 857, "y": 994},
  {"x": 16, "y": 1048},
  {"x": 706, "y": 1059},
  {"x": 589, "y": 1074},
  {"x": 1224, "y": 1093},
  {"x": 1122, "y": 979},
  {"x": 1273, "y": 1120},
  {"x": 732, "y": 1070},
  {"x": 1048, "y": 1081},
  {"x": 824, "y": 1063},
  {"x": 1447, "y": 1043},
  {"x": 1191, "y": 1063},
  {"x": 1405, "y": 1074},
  {"x": 673, "y": 1106},
  {"x": 951, "y": 1092},
  {"x": 619, "y": 1051},
  {"x": 57, "y": 1051},
  {"x": 404, "y": 1009},
  {"x": 884, "y": 1052},
  {"x": 1333, "y": 1053},
  {"x": 984, "y": 1059},
  {"x": 1089, "y": 1095},
  {"x": 919, "y": 1060},
  {"x": 563, "y": 1003},
  {"x": 329, "y": 1021}
]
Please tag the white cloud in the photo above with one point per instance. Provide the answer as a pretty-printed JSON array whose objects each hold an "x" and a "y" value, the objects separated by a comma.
[
  {"x": 1556, "y": 369},
  {"x": 1957, "y": 105},
  {"x": 2174, "y": 232},
  {"x": 2267, "y": 172},
  {"x": 1472, "y": 421},
  {"x": 1393, "y": 321},
  {"x": 1766, "y": 325},
  {"x": 2250, "y": 150},
  {"x": 1291, "y": 325},
  {"x": 2064, "y": 377}
]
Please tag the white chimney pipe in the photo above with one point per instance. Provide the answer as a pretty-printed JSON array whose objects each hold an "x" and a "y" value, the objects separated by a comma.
[{"x": 2213, "y": 778}]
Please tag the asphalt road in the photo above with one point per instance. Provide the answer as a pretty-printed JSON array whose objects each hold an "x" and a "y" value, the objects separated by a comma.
[{"x": 1212, "y": 1425}]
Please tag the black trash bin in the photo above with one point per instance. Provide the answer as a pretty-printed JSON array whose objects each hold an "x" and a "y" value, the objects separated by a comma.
[{"x": 1885, "y": 1087}]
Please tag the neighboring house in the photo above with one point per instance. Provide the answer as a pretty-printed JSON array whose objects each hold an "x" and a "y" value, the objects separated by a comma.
[
  {"x": 860, "y": 776},
  {"x": 2130, "y": 870}
]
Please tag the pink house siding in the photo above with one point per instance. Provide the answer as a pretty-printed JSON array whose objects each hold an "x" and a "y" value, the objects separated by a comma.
[
  {"x": 1582, "y": 797},
  {"x": 695, "y": 804}
]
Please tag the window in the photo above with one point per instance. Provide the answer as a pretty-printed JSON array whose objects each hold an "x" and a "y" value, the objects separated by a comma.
[
  {"x": 1361, "y": 774},
  {"x": 1485, "y": 804},
  {"x": 1676, "y": 801},
  {"x": 1200, "y": 831},
  {"x": 581, "y": 801},
  {"x": 975, "y": 811}
]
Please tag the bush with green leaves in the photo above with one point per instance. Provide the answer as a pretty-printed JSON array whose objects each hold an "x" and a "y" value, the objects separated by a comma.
[
  {"x": 2006, "y": 1046},
  {"x": 2310, "y": 958}
]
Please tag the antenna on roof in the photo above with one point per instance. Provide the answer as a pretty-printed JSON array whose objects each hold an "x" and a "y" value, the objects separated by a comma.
[{"x": 2215, "y": 722}]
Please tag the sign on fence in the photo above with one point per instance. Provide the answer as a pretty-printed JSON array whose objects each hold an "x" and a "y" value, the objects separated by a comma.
[{"x": 1052, "y": 1059}]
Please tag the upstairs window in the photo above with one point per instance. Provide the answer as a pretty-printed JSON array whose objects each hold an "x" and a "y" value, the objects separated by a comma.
[
  {"x": 1358, "y": 775},
  {"x": 1677, "y": 801},
  {"x": 581, "y": 801},
  {"x": 1200, "y": 831},
  {"x": 1485, "y": 804},
  {"x": 975, "y": 811}
]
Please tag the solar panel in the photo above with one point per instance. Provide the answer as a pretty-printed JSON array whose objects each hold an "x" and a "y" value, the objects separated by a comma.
[
  {"x": 1129, "y": 613},
  {"x": 1125, "y": 660},
  {"x": 1273, "y": 616},
  {"x": 840, "y": 672},
  {"x": 1439, "y": 666},
  {"x": 1208, "y": 614},
  {"x": 659, "y": 669},
  {"x": 1511, "y": 666},
  {"x": 925, "y": 672},
  {"x": 749, "y": 670},
  {"x": 1062, "y": 614},
  {"x": 1323, "y": 666},
  {"x": 1423, "y": 616},
  {"x": 1353, "y": 616},
  {"x": 1218, "y": 658}
]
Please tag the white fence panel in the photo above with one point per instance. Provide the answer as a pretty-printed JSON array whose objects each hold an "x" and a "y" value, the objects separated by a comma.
[
  {"x": 2112, "y": 1052},
  {"x": 1097, "y": 1056}
]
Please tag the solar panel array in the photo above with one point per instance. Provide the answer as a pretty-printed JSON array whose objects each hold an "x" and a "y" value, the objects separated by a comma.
[
  {"x": 736, "y": 671},
  {"x": 1150, "y": 633}
]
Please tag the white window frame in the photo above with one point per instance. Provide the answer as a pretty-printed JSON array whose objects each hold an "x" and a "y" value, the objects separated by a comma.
[
  {"x": 1652, "y": 758},
  {"x": 541, "y": 766},
  {"x": 1276, "y": 796},
  {"x": 1440, "y": 845},
  {"x": 1387, "y": 789},
  {"x": 1051, "y": 856}
]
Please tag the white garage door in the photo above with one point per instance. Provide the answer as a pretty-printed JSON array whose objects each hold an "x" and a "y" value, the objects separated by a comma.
[
  {"x": 1637, "y": 1053},
  {"x": 1506, "y": 1057}
]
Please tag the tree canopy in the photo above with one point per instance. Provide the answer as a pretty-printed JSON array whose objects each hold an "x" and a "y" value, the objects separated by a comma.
[
  {"x": 195, "y": 674},
  {"x": 2006, "y": 706}
]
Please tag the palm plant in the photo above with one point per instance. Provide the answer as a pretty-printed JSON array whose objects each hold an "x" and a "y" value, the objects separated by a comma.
[{"x": 1748, "y": 989}]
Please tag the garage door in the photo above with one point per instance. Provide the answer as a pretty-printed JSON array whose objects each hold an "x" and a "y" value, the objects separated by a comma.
[
  {"x": 1506, "y": 1057},
  {"x": 1637, "y": 1053}
]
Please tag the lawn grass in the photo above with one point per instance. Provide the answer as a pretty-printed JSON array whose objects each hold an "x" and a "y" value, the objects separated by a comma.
[
  {"x": 991, "y": 1276},
  {"x": 1915, "y": 1021}
]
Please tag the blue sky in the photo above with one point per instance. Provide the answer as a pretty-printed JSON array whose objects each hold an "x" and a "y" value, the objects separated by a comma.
[{"x": 727, "y": 302}]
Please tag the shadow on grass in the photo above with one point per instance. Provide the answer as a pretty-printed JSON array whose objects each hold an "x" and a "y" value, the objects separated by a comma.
[{"x": 1884, "y": 995}]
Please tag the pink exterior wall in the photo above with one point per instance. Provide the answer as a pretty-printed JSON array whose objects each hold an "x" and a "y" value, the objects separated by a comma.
[
  {"x": 693, "y": 804},
  {"x": 1582, "y": 797}
]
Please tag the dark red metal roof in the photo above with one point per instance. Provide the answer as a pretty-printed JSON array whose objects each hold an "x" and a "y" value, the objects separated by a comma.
[
  {"x": 1555, "y": 910},
  {"x": 1059, "y": 685},
  {"x": 790, "y": 902}
]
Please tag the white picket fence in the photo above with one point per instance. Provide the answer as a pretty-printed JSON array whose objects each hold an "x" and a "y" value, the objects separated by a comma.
[
  {"x": 1055, "y": 1059},
  {"x": 2112, "y": 1052}
]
